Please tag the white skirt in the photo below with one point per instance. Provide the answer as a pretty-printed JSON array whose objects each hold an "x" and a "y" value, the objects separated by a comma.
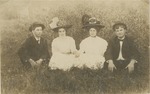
[
  {"x": 62, "y": 61},
  {"x": 91, "y": 61}
]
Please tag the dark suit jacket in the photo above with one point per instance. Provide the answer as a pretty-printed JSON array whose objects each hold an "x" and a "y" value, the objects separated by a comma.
[
  {"x": 31, "y": 49},
  {"x": 129, "y": 50}
]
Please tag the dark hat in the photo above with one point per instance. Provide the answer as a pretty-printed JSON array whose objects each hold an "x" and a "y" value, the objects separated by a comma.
[
  {"x": 36, "y": 24},
  {"x": 117, "y": 24},
  {"x": 56, "y": 24},
  {"x": 93, "y": 22},
  {"x": 85, "y": 19}
]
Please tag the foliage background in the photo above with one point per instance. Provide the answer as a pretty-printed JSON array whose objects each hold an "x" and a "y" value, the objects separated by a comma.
[{"x": 17, "y": 15}]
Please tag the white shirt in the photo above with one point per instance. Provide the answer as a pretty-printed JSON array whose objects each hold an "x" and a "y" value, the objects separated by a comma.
[
  {"x": 93, "y": 45},
  {"x": 63, "y": 45},
  {"x": 120, "y": 57},
  {"x": 92, "y": 51},
  {"x": 60, "y": 47},
  {"x": 36, "y": 38}
]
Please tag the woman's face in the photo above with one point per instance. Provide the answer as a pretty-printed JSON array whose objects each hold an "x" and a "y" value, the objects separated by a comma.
[
  {"x": 92, "y": 32},
  {"x": 61, "y": 32}
]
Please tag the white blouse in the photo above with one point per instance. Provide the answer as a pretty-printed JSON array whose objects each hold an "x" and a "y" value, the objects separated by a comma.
[
  {"x": 92, "y": 51},
  {"x": 62, "y": 45},
  {"x": 62, "y": 53}
]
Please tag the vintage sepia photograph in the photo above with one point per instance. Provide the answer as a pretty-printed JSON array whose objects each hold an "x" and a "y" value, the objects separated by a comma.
[{"x": 74, "y": 46}]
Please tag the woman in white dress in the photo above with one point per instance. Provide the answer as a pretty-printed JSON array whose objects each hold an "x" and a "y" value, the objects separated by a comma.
[
  {"x": 63, "y": 49},
  {"x": 92, "y": 48}
]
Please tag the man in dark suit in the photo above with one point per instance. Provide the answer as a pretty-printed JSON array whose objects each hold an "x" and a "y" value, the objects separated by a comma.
[
  {"x": 34, "y": 51},
  {"x": 121, "y": 52}
]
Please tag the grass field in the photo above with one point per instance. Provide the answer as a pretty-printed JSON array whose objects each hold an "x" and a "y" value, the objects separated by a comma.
[
  {"x": 16, "y": 17},
  {"x": 76, "y": 81}
]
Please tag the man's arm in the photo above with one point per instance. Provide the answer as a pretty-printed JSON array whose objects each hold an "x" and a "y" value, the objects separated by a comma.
[
  {"x": 108, "y": 56},
  {"x": 45, "y": 55},
  {"x": 23, "y": 52},
  {"x": 108, "y": 52},
  {"x": 135, "y": 55}
]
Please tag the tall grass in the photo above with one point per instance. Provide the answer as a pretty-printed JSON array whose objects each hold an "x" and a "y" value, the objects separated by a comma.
[{"x": 16, "y": 17}]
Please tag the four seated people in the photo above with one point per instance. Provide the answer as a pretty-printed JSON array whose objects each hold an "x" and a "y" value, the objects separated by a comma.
[{"x": 119, "y": 54}]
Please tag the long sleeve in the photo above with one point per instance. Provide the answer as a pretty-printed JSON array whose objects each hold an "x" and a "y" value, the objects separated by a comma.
[
  {"x": 108, "y": 53},
  {"x": 55, "y": 50},
  {"x": 45, "y": 54},
  {"x": 104, "y": 47},
  {"x": 82, "y": 47},
  {"x": 134, "y": 52},
  {"x": 73, "y": 46},
  {"x": 23, "y": 52}
]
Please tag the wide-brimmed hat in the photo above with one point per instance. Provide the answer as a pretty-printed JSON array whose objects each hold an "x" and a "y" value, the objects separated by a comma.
[
  {"x": 56, "y": 24},
  {"x": 36, "y": 24},
  {"x": 92, "y": 22}
]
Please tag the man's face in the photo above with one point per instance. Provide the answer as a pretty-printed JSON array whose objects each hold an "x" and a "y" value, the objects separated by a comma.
[
  {"x": 120, "y": 32},
  {"x": 61, "y": 32},
  {"x": 38, "y": 31},
  {"x": 93, "y": 32}
]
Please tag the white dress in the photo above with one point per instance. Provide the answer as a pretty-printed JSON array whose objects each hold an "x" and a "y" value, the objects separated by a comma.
[
  {"x": 60, "y": 47},
  {"x": 92, "y": 51}
]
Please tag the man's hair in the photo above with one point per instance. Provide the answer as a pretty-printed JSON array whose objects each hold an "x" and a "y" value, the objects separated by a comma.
[
  {"x": 117, "y": 25},
  {"x": 36, "y": 24}
]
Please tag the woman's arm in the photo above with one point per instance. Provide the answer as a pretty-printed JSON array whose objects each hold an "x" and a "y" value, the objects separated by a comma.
[
  {"x": 54, "y": 47},
  {"x": 82, "y": 47}
]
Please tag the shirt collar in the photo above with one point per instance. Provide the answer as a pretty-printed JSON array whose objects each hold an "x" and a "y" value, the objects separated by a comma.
[
  {"x": 121, "y": 38},
  {"x": 36, "y": 38},
  {"x": 93, "y": 37}
]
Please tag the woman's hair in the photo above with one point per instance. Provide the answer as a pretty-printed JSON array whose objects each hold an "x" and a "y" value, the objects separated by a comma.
[
  {"x": 95, "y": 27},
  {"x": 56, "y": 31}
]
